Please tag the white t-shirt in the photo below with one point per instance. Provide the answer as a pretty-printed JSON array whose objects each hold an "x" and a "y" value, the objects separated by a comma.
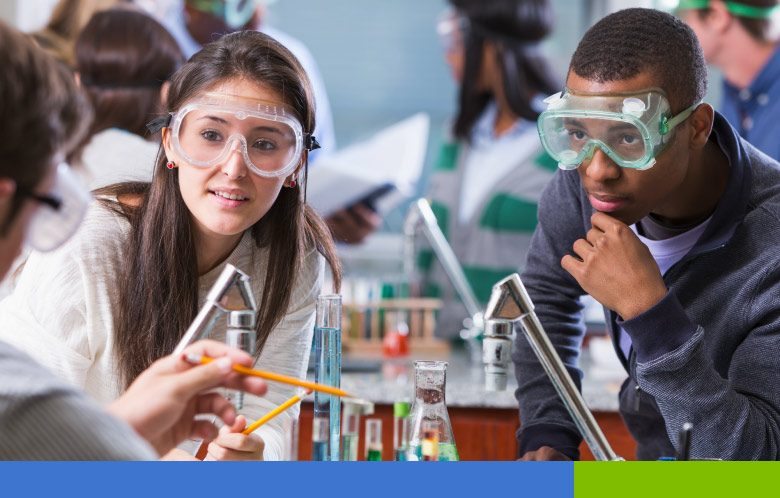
[{"x": 62, "y": 314}]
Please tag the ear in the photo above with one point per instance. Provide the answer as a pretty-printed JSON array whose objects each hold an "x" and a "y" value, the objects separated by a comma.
[
  {"x": 719, "y": 17},
  {"x": 164, "y": 94},
  {"x": 701, "y": 121},
  {"x": 166, "y": 142},
  {"x": 7, "y": 188},
  {"x": 297, "y": 172}
]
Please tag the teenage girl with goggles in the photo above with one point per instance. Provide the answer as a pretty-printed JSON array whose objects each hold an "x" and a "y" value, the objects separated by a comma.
[{"x": 227, "y": 188}]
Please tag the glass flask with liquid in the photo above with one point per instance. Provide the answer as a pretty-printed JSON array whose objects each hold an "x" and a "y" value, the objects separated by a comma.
[
  {"x": 429, "y": 412},
  {"x": 327, "y": 370}
]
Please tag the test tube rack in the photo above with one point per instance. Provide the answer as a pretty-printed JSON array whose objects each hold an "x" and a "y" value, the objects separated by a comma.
[{"x": 364, "y": 325}]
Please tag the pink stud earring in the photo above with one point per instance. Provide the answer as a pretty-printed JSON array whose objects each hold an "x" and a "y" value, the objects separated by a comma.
[
  {"x": 171, "y": 164},
  {"x": 292, "y": 183}
]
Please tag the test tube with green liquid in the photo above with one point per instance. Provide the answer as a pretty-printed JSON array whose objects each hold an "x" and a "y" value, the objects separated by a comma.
[
  {"x": 373, "y": 440},
  {"x": 400, "y": 430}
]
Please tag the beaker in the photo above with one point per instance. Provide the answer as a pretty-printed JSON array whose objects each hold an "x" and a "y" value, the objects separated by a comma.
[
  {"x": 327, "y": 369},
  {"x": 429, "y": 410}
]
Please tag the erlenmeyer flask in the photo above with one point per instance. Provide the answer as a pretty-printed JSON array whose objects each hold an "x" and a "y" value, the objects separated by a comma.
[{"x": 428, "y": 407}]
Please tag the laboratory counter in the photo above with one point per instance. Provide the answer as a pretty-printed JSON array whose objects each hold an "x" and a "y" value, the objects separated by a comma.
[{"x": 484, "y": 423}]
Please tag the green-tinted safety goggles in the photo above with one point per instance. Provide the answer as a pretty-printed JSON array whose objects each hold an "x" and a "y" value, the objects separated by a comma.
[{"x": 631, "y": 128}]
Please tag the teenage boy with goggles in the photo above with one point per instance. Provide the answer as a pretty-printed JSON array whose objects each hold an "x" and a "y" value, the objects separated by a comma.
[{"x": 672, "y": 222}]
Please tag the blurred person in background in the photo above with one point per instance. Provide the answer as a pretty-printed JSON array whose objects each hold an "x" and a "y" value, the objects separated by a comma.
[
  {"x": 124, "y": 60},
  {"x": 194, "y": 23},
  {"x": 67, "y": 20},
  {"x": 741, "y": 38},
  {"x": 490, "y": 174}
]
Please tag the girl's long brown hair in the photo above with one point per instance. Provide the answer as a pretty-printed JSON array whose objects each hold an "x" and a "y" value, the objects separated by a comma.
[{"x": 158, "y": 286}]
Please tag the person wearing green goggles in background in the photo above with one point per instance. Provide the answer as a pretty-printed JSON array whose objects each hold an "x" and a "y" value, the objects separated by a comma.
[
  {"x": 235, "y": 13},
  {"x": 740, "y": 38},
  {"x": 671, "y": 221}
]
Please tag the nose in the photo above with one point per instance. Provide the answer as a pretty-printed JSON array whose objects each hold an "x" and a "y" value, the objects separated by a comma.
[
  {"x": 234, "y": 166},
  {"x": 599, "y": 167}
]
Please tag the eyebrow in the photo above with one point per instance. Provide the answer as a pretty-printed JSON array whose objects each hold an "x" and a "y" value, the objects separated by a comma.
[
  {"x": 617, "y": 127},
  {"x": 266, "y": 128}
]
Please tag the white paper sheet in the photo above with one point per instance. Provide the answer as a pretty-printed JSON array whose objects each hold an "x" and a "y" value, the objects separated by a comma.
[{"x": 393, "y": 156}]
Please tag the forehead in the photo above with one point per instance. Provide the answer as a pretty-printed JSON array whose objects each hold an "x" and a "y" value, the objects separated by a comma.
[
  {"x": 639, "y": 82},
  {"x": 246, "y": 89}
]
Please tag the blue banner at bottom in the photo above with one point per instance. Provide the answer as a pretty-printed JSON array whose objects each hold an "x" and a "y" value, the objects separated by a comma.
[{"x": 317, "y": 479}]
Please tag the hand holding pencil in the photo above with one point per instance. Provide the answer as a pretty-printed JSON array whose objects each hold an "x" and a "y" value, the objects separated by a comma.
[
  {"x": 234, "y": 447},
  {"x": 193, "y": 358}
]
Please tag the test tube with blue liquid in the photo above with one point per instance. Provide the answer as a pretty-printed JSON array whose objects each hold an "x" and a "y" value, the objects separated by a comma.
[{"x": 327, "y": 371}]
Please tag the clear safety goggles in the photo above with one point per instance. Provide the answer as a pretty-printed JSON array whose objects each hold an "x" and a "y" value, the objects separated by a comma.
[
  {"x": 450, "y": 28},
  {"x": 270, "y": 139},
  {"x": 60, "y": 212},
  {"x": 631, "y": 128}
]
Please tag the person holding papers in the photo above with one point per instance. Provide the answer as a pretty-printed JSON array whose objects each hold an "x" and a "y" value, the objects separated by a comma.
[{"x": 488, "y": 178}]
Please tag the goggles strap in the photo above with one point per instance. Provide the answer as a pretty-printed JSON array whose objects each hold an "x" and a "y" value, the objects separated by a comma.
[
  {"x": 158, "y": 124},
  {"x": 309, "y": 141},
  {"x": 668, "y": 125}
]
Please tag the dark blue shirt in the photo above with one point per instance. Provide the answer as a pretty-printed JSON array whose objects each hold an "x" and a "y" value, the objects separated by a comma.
[{"x": 755, "y": 111}]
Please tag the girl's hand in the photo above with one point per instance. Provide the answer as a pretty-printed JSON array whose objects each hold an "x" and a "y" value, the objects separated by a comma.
[{"x": 231, "y": 445}]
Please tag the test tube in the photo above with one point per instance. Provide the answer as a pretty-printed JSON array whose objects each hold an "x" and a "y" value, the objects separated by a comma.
[
  {"x": 349, "y": 433},
  {"x": 430, "y": 441},
  {"x": 319, "y": 439},
  {"x": 373, "y": 440},
  {"x": 290, "y": 450},
  {"x": 400, "y": 430},
  {"x": 240, "y": 334},
  {"x": 353, "y": 410},
  {"x": 327, "y": 367}
]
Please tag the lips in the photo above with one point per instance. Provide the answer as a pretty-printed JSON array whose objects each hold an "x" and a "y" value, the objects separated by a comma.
[
  {"x": 229, "y": 197},
  {"x": 606, "y": 203}
]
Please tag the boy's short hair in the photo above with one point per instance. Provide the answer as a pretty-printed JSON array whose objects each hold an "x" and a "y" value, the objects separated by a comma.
[{"x": 631, "y": 41}]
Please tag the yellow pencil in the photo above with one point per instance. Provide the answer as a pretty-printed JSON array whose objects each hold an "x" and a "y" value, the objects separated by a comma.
[
  {"x": 276, "y": 411},
  {"x": 193, "y": 358}
]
